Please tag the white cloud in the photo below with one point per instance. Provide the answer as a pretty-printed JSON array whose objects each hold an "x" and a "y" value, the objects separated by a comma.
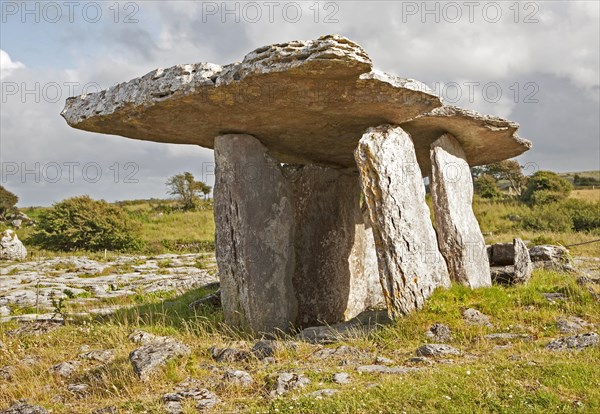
[{"x": 7, "y": 66}]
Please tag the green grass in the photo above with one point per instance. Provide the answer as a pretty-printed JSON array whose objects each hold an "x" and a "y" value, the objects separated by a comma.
[{"x": 523, "y": 378}]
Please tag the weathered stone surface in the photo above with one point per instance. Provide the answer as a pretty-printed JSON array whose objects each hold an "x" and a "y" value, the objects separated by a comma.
[
  {"x": 523, "y": 267},
  {"x": 11, "y": 247},
  {"x": 474, "y": 317},
  {"x": 484, "y": 139},
  {"x": 574, "y": 342},
  {"x": 341, "y": 378},
  {"x": 229, "y": 354},
  {"x": 458, "y": 233},
  {"x": 288, "y": 381},
  {"x": 190, "y": 389},
  {"x": 22, "y": 407},
  {"x": 326, "y": 392},
  {"x": 148, "y": 358},
  {"x": 410, "y": 264},
  {"x": 439, "y": 332},
  {"x": 572, "y": 324},
  {"x": 433, "y": 350},
  {"x": 336, "y": 275},
  {"x": 237, "y": 377},
  {"x": 213, "y": 300},
  {"x": 102, "y": 355},
  {"x": 322, "y": 92},
  {"x": 382, "y": 369},
  {"x": 254, "y": 236},
  {"x": 510, "y": 262},
  {"x": 549, "y": 256},
  {"x": 65, "y": 369}
]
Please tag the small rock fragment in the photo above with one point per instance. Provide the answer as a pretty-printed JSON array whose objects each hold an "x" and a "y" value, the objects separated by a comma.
[
  {"x": 104, "y": 356},
  {"x": 237, "y": 377},
  {"x": 229, "y": 354},
  {"x": 574, "y": 342},
  {"x": 383, "y": 360},
  {"x": 148, "y": 358},
  {"x": 319, "y": 394},
  {"x": 341, "y": 378},
  {"x": 21, "y": 407},
  {"x": 288, "y": 381},
  {"x": 474, "y": 317},
  {"x": 439, "y": 333},
  {"x": 78, "y": 388},
  {"x": 434, "y": 350},
  {"x": 65, "y": 369},
  {"x": 571, "y": 324},
  {"x": 382, "y": 369}
]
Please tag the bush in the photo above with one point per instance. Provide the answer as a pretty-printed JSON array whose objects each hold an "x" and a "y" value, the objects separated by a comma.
[
  {"x": 486, "y": 187},
  {"x": 546, "y": 187},
  {"x": 8, "y": 201},
  {"x": 80, "y": 223},
  {"x": 567, "y": 215}
]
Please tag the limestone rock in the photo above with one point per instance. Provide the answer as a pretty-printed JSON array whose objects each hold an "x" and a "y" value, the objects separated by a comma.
[
  {"x": 319, "y": 394},
  {"x": 22, "y": 407},
  {"x": 11, "y": 247},
  {"x": 104, "y": 355},
  {"x": 549, "y": 256},
  {"x": 190, "y": 389},
  {"x": 518, "y": 270},
  {"x": 341, "y": 378},
  {"x": 434, "y": 350},
  {"x": 322, "y": 92},
  {"x": 65, "y": 369},
  {"x": 254, "y": 236},
  {"x": 574, "y": 342},
  {"x": 150, "y": 357},
  {"x": 522, "y": 263},
  {"x": 484, "y": 139},
  {"x": 410, "y": 264},
  {"x": 213, "y": 300},
  {"x": 382, "y": 369},
  {"x": 439, "y": 332},
  {"x": 474, "y": 317},
  {"x": 336, "y": 275},
  {"x": 458, "y": 233},
  {"x": 288, "y": 381},
  {"x": 229, "y": 354},
  {"x": 571, "y": 324},
  {"x": 237, "y": 377}
]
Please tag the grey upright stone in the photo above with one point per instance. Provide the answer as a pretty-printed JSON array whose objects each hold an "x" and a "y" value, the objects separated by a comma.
[
  {"x": 336, "y": 274},
  {"x": 254, "y": 235},
  {"x": 458, "y": 232},
  {"x": 410, "y": 264}
]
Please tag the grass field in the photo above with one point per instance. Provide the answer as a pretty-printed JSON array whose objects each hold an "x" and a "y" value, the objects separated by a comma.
[
  {"x": 490, "y": 376},
  {"x": 592, "y": 195}
]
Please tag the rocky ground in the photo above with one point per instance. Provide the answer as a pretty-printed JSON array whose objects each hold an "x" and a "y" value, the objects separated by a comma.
[
  {"x": 39, "y": 289},
  {"x": 530, "y": 348}
]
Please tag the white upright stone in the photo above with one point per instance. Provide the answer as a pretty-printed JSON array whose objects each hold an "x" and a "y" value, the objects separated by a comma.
[
  {"x": 458, "y": 232},
  {"x": 410, "y": 264}
]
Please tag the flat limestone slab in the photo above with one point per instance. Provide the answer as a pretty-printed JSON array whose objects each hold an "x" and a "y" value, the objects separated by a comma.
[
  {"x": 458, "y": 232},
  {"x": 306, "y": 101},
  {"x": 410, "y": 264},
  {"x": 483, "y": 138}
]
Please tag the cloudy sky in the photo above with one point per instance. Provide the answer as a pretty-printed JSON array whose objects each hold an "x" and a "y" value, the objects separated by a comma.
[{"x": 534, "y": 62}]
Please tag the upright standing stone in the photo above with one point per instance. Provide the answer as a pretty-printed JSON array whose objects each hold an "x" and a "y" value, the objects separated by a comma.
[
  {"x": 410, "y": 264},
  {"x": 523, "y": 265},
  {"x": 254, "y": 235},
  {"x": 458, "y": 232},
  {"x": 336, "y": 274}
]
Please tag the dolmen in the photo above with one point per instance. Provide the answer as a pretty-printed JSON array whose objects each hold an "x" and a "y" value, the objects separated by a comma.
[{"x": 319, "y": 189}]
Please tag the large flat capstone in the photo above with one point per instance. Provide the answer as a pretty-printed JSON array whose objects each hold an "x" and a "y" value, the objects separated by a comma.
[{"x": 306, "y": 101}]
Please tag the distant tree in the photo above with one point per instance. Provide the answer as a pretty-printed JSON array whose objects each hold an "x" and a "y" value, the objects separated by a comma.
[
  {"x": 546, "y": 187},
  {"x": 187, "y": 189},
  {"x": 8, "y": 201},
  {"x": 509, "y": 170},
  {"x": 486, "y": 186}
]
